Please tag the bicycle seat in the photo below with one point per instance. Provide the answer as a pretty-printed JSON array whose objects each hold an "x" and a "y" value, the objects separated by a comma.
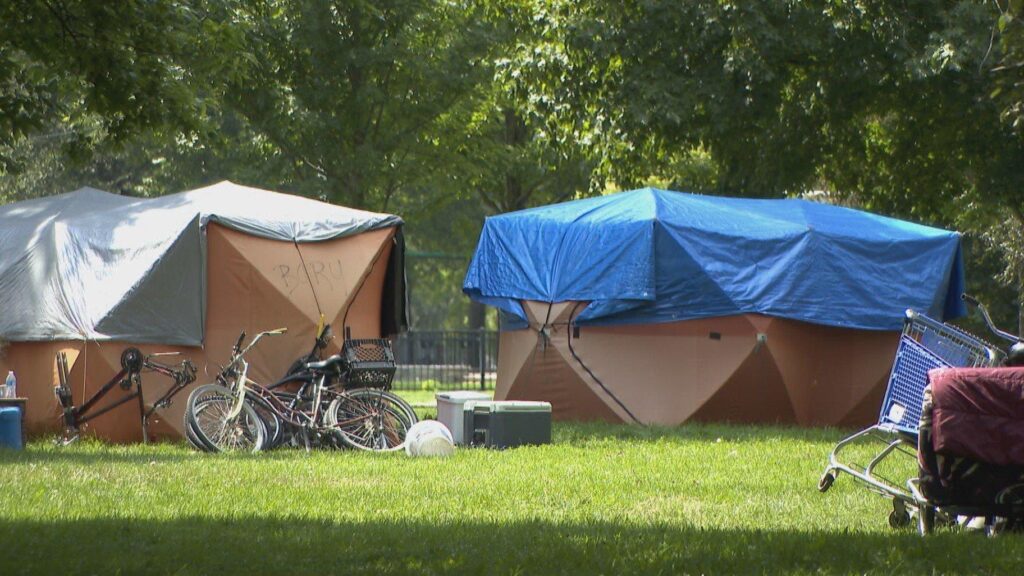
[{"x": 326, "y": 363}]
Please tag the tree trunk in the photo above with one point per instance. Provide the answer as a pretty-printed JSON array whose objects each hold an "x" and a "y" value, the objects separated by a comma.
[{"x": 477, "y": 315}]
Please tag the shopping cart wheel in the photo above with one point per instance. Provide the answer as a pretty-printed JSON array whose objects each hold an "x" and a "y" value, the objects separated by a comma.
[
  {"x": 826, "y": 481},
  {"x": 898, "y": 520},
  {"x": 899, "y": 517}
]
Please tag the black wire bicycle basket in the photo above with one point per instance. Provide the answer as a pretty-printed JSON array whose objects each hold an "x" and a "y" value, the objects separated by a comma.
[{"x": 370, "y": 363}]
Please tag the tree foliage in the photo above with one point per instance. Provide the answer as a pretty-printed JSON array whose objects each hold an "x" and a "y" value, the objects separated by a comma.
[
  {"x": 894, "y": 107},
  {"x": 1009, "y": 70},
  {"x": 356, "y": 94},
  {"x": 446, "y": 112},
  {"x": 78, "y": 70}
]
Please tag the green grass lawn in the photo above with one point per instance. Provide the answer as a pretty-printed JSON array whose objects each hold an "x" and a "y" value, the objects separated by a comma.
[
  {"x": 424, "y": 402},
  {"x": 426, "y": 396},
  {"x": 417, "y": 396},
  {"x": 601, "y": 499}
]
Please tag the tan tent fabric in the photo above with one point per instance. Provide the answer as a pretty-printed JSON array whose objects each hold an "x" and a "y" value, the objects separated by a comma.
[
  {"x": 254, "y": 284},
  {"x": 90, "y": 265},
  {"x": 747, "y": 368}
]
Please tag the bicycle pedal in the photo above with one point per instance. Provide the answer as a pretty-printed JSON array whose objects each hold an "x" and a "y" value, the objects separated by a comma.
[
  {"x": 63, "y": 395},
  {"x": 68, "y": 440}
]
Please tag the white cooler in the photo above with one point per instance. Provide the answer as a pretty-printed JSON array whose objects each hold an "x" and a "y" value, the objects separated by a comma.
[{"x": 449, "y": 410}]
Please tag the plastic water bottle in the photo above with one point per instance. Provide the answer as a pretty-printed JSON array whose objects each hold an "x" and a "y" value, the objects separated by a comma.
[{"x": 11, "y": 385}]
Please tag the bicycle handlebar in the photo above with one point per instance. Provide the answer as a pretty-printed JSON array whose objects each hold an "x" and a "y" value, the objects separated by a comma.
[
  {"x": 274, "y": 332},
  {"x": 239, "y": 352},
  {"x": 238, "y": 343},
  {"x": 971, "y": 300}
]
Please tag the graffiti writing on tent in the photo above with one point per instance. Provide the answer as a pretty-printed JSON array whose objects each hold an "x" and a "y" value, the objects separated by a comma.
[{"x": 322, "y": 274}]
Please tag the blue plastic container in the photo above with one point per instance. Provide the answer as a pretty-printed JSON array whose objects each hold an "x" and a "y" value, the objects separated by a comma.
[{"x": 10, "y": 427}]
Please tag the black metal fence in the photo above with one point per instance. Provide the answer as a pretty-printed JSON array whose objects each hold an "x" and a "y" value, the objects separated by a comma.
[{"x": 446, "y": 360}]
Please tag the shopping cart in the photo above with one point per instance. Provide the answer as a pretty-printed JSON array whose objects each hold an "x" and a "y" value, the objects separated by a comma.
[{"x": 924, "y": 344}]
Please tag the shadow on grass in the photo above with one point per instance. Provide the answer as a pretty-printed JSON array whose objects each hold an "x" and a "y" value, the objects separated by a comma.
[{"x": 302, "y": 546}]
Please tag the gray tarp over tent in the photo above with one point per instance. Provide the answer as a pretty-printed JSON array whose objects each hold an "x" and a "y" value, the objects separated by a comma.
[{"x": 90, "y": 265}]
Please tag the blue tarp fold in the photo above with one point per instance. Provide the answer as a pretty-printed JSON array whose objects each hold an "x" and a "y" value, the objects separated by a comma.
[{"x": 650, "y": 256}]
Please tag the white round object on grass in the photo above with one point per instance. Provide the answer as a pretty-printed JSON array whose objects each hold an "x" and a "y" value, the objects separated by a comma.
[{"x": 429, "y": 438}]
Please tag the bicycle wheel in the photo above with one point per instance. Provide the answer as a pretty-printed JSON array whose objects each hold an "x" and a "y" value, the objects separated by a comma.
[
  {"x": 370, "y": 419},
  {"x": 191, "y": 407},
  {"x": 291, "y": 434},
  {"x": 192, "y": 437},
  {"x": 193, "y": 440},
  {"x": 272, "y": 426},
  {"x": 325, "y": 438},
  {"x": 391, "y": 399},
  {"x": 209, "y": 410}
]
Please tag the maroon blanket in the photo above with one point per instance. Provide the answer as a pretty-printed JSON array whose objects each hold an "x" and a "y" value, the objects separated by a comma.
[{"x": 978, "y": 413}]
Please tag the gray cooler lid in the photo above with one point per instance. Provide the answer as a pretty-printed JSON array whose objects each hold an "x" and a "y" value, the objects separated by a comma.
[
  {"x": 477, "y": 406},
  {"x": 508, "y": 406},
  {"x": 520, "y": 406},
  {"x": 461, "y": 396}
]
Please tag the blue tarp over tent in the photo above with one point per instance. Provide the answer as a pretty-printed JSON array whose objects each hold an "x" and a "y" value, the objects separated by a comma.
[{"x": 650, "y": 256}]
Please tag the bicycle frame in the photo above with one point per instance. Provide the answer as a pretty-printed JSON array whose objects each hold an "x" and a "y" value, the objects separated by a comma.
[
  {"x": 319, "y": 412},
  {"x": 306, "y": 420},
  {"x": 290, "y": 414},
  {"x": 243, "y": 385},
  {"x": 234, "y": 376},
  {"x": 130, "y": 376}
]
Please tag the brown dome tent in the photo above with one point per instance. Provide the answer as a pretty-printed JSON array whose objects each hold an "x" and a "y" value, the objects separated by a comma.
[
  {"x": 745, "y": 368},
  {"x": 90, "y": 273},
  {"x": 662, "y": 307}
]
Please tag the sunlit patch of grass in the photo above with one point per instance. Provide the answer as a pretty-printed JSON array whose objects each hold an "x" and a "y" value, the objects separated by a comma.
[{"x": 600, "y": 499}]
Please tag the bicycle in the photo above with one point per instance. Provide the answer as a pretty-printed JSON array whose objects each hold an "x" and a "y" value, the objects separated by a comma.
[
  {"x": 236, "y": 413},
  {"x": 132, "y": 365},
  {"x": 363, "y": 371}
]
